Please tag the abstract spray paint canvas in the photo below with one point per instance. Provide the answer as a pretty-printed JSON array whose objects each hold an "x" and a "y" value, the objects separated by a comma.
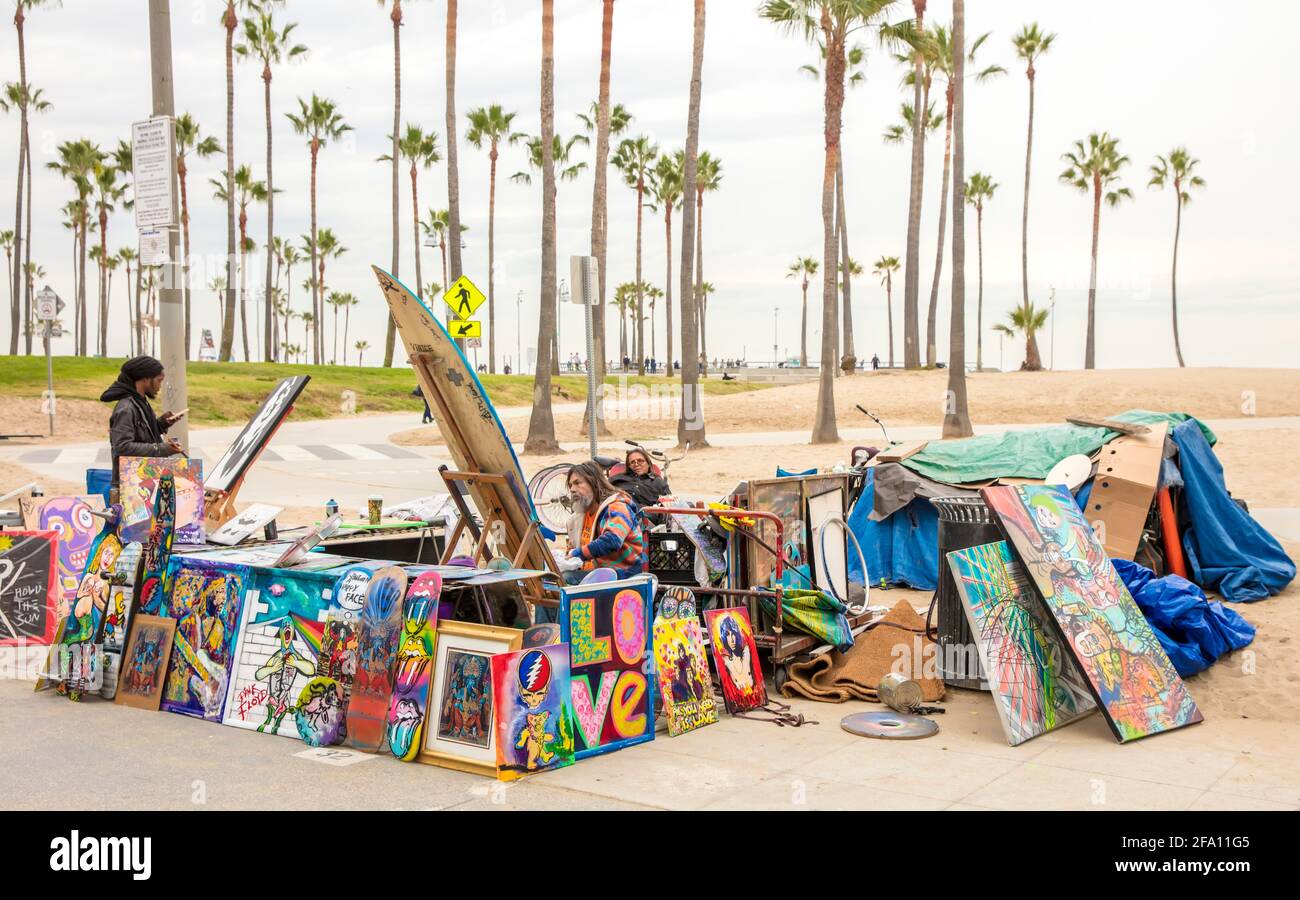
[
  {"x": 684, "y": 679},
  {"x": 1035, "y": 681},
  {"x": 140, "y": 477},
  {"x": 532, "y": 712},
  {"x": 1131, "y": 677},
  {"x": 611, "y": 663},
  {"x": 205, "y": 600}
]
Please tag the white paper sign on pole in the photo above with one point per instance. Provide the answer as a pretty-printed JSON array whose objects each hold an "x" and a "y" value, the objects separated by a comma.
[
  {"x": 47, "y": 304},
  {"x": 153, "y": 157},
  {"x": 153, "y": 247}
]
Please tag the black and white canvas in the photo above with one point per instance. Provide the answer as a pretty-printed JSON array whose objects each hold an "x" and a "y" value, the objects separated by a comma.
[{"x": 231, "y": 467}]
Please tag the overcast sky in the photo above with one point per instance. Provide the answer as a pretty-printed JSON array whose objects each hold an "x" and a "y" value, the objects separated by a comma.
[{"x": 1155, "y": 74}]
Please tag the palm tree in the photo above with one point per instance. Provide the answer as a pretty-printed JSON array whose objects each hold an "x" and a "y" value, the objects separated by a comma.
[
  {"x": 635, "y": 158},
  {"x": 666, "y": 186},
  {"x": 309, "y": 321},
  {"x": 690, "y": 425},
  {"x": 321, "y": 122},
  {"x": 912, "y": 273},
  {"x": 35, "y": 103},
  {"x": 76, "y": 161},
  {"x": 956, "y": 419},
  {"x": 803, "y": 268},
  {"x": 491, "y": 125},
  {"x": 979, "y": 190},
  {"x": 1030, "y": 44},
  {"x": 189, "y": 140},
  {"x": 349, "y": 300},
  {"x": 107, "y": 192},
  {"x": 127, "y": 256},
  {"x": 884, "y": 268},
  {"x": 541, "y": 423},
  {"x": 421, "y": 150},
  {"x": 834, "y": 21},
  {"x": 1028, "y": 320},
  {"x": 328, "y": 246},
  {"x": 7, "y": 241},
  {"x": 361, "y": 347},
  {"x": 395, "y": 16},
  {"x": 246, "y": 191},
  {"x": 708, "y": 178},
  {"x": 229, "y": 22},
  {"x": 624, "y": 301},
  {"x": 946, "y": 66},
  {"x": 1094, "y": 167},
  {"x": 435, "y": 225},
  {"x": 453, "y": 160},
  {"x": 337, "y": 300},
  {"x": 270, "y": 44},
  {"x": 1176, "y": 170}
]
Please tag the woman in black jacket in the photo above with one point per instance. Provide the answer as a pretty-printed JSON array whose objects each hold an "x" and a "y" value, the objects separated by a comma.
[{"x": 639, "y": 481}]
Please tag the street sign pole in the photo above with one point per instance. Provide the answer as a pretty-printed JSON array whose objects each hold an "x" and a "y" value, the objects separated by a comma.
[
  {"x": 171, "y": 317},
  {"x": 49, "y": 374},
  {"x": 584, "y": 277},
  {"x": 47, "y": 307}
]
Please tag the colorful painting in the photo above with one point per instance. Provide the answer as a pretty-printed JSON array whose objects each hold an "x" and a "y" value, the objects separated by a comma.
[
  {"x": 684, "y": 681},
  {"x": 29, "y": 587},
  {"x": 1131, "y": 678},
  {"x": 408, "y": 708},
  {"x": 72, "y": 520},
  {"x": 117, "y": 621},
  {"x": 1035, "y": 682},
  {"x": 611, "y": 663},
  {"x": 280, "y": 638},
  {"x": 532, "y": 713},
  {"x": 460, "y": 732},
  {"x": 157, "y": 552},
  {"x": 735, "y": 656},
  {"x": 205, "y": 600},
  {"x": 79, "y": 644},
  {"x": 140, "y": 477},
  {"x": 241, "y": 454},
  {"x": 145, "y": 662},
  {"x": 372, "y": 688},
  {"x": 323, "y": 703}
]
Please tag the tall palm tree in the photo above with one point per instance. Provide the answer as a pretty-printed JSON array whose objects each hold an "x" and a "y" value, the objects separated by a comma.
[
  {"x": 7, "y": 241},
  {"x": 36, "y": 104},
  {"x": 541, "y": 423},
  {"x": 321, "y": 122},
  {"x": 435, "y": 226},
  {"x": 1028, "y": 320},
  {"x": 833, "y": 22},
  {"x": 666, "y": 186},
  {"x": 309, "y": 328},
  {"x": 1176, "y": 170},
  {"x": 229, "y": 22},
  {"x": 328, "y": 247},
  {"x": 491, "y": 125},
  {"x": 945, "y": 66},
  {"x": 624, "y": 301},
  {"x": 189, "y": 140},
  {"x": 956, "y": 419},
  {"x": 1094, "y": 168},
  {"x": 635, "y": 158},
  {"x": 336, "y": 300},
  {"x": 246, "y": 191},
  {"x": 27, "y": 100},
  {"x": 394, "y": 16},
  {"x": 1030, "y": 43},
  {"x": 76, "y": 161},
  {"x": 708, "y": 178},
  {"x": 884, "y": 268},
  {"x": 453, "y": 160},
  {"x": 803, "y": 268},
  {"x": 421, "y": 151},
  {"x": 912, "y": 272},
  {"x": 979, "y": 190},
  {"x": 361, "y": 347},
  {"x": 691, "y": 429},
  {"x": 127, "y": 256},
  {"x": 107, "y": 193},
  {"x": 271, "y": 44},
  {"x": 349, "y": 300}
]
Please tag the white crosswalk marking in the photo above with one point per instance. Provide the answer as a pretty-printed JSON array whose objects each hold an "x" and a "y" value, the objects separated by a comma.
[
  {"x": 294, "y": 453},
  {"x": 79, "y": 455},
  {"x": 356, "y": 451}
]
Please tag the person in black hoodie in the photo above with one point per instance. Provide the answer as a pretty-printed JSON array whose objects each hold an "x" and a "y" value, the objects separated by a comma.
[{"x": 133, "y": 428}]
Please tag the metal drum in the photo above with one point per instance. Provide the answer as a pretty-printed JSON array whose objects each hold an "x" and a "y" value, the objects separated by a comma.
[{"x": 963, "y": 522}]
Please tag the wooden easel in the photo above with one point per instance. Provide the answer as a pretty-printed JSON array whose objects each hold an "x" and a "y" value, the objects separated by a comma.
[{"x": 492, "y": 492}]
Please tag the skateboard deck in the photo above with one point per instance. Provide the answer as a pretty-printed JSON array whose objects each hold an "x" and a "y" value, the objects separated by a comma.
[
  {"x": 409, "y": 709},
  {"x": 157, "y": 550},
  {"x": 372, "y": 687},
  {"x": 80, "y": 644},
  {"x": 322, "y": 706}
]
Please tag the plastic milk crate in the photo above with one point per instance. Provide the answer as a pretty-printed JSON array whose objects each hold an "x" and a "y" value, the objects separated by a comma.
[{"x": 672, "y": 557}]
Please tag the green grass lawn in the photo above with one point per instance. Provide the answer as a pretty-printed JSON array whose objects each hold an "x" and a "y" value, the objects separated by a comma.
[{"x": 229, "y": 393}]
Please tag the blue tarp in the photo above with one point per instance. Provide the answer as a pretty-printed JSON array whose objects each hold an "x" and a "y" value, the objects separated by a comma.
[
  {"x": 903, "y": 549},
  {"x": 1227, "y": 550},
  {"x": 1193, "y": 631}
]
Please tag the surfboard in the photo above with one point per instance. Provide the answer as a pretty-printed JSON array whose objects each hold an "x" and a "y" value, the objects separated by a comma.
[
  {"x": 409, "y": 709},
  {"x": 474, "y": 435},
  {"x": 372, "y": 687}
]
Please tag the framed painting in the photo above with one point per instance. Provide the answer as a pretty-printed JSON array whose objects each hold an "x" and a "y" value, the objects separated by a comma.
[
  {"x": 1130, "y": 676},
  {"x": 459, "y": 733},
  {"x": 144, "y": 663},
  {"x": 1035, "y": 682},
  {"x": 241, "y": 454},
  {"x": 205, "y": 600},
  {"x": 735, "y": 656},
  {"x": 280, "y": 635},
  {"x": 532, "y": 712},
  {"x": 29, "y": 567},
  {"x": 115, "y": 627},
  {"x": 139, "y": 478},
  {"x": 788, "y": 498},
  {"x": 611, "y": 663},
  {"x": 683, "y": 669}
]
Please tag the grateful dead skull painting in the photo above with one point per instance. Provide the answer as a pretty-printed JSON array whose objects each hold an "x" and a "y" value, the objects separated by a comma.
[{"x": 532, "y": 713}]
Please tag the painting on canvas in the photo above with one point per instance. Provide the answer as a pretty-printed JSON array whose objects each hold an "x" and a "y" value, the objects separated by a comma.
[
  {"x": 145, "y": 662},
  {"x": 532, "y": 712},
  {"x": 736, "y": 657},
  {"x": 140, "y": 477},
  {"x": 205, "y": 600},
  {"x": 684, "y": 681},
  {"x": 29, "y": 564}
]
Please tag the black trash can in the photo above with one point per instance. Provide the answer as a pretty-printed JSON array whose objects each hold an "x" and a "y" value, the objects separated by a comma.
[{"x": 963, "y": 522}]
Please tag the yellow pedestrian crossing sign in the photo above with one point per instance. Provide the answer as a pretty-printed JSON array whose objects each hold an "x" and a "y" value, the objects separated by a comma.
[
  {"x": 463, "y": 298},
  {"x": 461, "y": 328}
]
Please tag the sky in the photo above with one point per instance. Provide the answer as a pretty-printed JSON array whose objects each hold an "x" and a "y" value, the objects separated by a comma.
[{"x": 1156, "y": 75}]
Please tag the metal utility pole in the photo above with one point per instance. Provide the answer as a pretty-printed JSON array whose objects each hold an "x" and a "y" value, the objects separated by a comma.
[
  {"x": 586, "y": 275},
  {"x": 171, "y": 319}
]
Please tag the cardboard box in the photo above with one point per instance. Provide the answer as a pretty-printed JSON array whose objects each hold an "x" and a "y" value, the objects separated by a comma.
[{"x": 1128, "y": 470}]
